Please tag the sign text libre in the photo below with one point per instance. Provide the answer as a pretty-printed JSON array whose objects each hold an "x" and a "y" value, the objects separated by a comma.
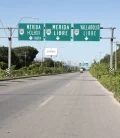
[
  {"x": 58, "y": 32},
  {"x": 86, "y": 32}
]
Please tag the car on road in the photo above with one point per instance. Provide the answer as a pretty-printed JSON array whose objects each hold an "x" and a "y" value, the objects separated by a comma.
[{"x": 81, "y": 70}]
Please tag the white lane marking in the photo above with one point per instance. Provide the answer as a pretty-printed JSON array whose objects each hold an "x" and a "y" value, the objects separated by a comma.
[
  {"x": 67, "y": 85},
  {"x": 45, "y": 102}
]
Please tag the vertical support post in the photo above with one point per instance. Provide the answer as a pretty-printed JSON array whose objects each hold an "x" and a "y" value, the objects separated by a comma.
[
  {"x": 9, "y": 47},
  {"x": 116, "y": 58},
  {"x": 54, "y": 64},
  {"x": 111, "y": 51},
  {"x": 42, "y": 62},
  {"x": 100, "y": 57},
  {"x": 42, "y": 59},
  {"x": 25, "y": 58}
]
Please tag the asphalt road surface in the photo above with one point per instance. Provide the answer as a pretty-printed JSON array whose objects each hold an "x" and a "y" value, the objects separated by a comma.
[{"x": 60, "y": 106}]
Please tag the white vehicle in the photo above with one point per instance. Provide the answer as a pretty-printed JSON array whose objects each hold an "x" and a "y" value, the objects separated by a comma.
[{"x": 81, "y": 70}]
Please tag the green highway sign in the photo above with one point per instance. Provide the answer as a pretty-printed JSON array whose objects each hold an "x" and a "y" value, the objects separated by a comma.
[
  {"x": 86, "y": 32},
  {"x": 83, "y": 64},
  {"x": 30, "y": 31},
  {"x": 57, "y": 32}
]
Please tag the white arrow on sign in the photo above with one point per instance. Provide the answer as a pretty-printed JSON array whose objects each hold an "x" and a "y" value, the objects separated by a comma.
[
  {"x": 58, "y": 38},
  {"x": 30, "y": 37},
  {"x": 86, "y": 38}
]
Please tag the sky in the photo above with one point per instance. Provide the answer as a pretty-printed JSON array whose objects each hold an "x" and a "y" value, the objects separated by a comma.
[{"x": 105, "y": 12}]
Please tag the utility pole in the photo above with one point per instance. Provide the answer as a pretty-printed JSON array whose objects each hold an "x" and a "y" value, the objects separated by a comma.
[
  {"x": 42, "y": 50},
  {"x": 42, "y": 59},
  {"x": 10, "y": 46},
  {"x": 116, "y": 55},
  {"x": 111, "y": 54},
  {"x": 25, "y": 58},
  {"x": 54, "y": 64},
  {"x": 116, "y": 58},
  {"x": 96, "y": 58},
  {"x": 100, "y": 56}
]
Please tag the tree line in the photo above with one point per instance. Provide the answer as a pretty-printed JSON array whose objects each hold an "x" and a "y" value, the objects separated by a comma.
[
  {"x": 18, "y": 55},
  {"x": 24, "y": 56},
  {"x": 109, "y": 79},
  {"x": 106, "y": 58}
]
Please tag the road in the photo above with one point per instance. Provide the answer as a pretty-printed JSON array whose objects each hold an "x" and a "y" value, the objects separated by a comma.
[{"x": 60, "y": 106}]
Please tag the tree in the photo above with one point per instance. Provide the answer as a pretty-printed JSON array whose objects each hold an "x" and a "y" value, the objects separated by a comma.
[
  {"x": 94, "y": 62},
  {"x": 106, "y": 59},
  {"x": 26, "y": 55},
  {"x": 118, "y": 45},
  {"x": 58, "y": 64},
  {"x": 118, "y": 58},
  {"x": 3, "y": 65},
  {"x": 4, "y": 56},
  {"x": 48, "y": 62}
]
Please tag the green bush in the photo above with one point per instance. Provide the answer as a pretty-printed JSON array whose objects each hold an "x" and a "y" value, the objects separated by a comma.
[
  {"x": 16, "y": 73},
  {"x": 111, "y": 81},
  {"x": 29, "y": 72},
  {"x": 3, "y": 65},
  {"x": 36, "y": 71},
  {"x": 32, "y": 70},
  {"x": 2, "y": 73},
  {"x": 47, "y": 70},
  {"x": 32, "y": 66}
]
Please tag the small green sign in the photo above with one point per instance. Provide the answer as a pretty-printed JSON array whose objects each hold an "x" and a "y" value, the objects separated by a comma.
[
  {"x": 30, "y": 31},
  {"x": 83, "y": 64},
  {"x": 86, "y": 32},
  {"x": 57, "y": 32}
]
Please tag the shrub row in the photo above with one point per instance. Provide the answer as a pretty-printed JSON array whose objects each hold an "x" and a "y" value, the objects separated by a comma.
[
  {"x": 33, "y": 70},
  {"x": 111, "y": 81}
]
